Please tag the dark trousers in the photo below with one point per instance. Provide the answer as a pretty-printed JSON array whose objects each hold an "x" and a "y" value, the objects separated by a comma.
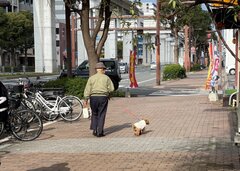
[{"x": 98, "y": 106}]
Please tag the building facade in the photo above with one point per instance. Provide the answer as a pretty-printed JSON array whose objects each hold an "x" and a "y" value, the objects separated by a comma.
[{"x": 50, "y": 34}]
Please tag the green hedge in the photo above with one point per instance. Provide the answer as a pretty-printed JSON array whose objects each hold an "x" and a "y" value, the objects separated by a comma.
[
  {"x": 75, "y": 86},
  {"x": 230, "y": 91},
  {"x": 196, "y": 67},
  {"x": 72, "y": 86},
  {"x": 173, "y": 71}
]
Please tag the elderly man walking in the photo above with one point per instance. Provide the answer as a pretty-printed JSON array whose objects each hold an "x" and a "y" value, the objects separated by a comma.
[{"x": 97, "y": 91}]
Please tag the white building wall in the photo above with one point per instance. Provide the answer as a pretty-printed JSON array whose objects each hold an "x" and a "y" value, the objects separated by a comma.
[
  {"x": 228, "y": 36},
  {"x": 127, "y": 45},
  {"x": 110, "y": 49},
  {"x": 110, "y": 46},
  {"x": 44, "y": 36},
  {"x": 181, "y": 55},
  {"x": 82, "y": 53}
]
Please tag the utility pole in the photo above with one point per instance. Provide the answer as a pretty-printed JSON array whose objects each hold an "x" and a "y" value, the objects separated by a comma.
[
  {"x": 236, "y": 61},
  {"x": 220, "y": 62},
  {"x": 73, "y": 42},
  {"x": 238, "y": 73},
  {"x": 158, "y": 66},
  {"x": 186, "y": 54},
  {"x": 68, "y": 35}
]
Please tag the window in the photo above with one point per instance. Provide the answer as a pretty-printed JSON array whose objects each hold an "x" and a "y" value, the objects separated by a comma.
[
  {"x": 147, "y": 8},
  {"x": 57, "y": 30}
]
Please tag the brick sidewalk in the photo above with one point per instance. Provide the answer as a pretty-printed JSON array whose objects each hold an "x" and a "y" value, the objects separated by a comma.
[{"x": 185, "y": 133}]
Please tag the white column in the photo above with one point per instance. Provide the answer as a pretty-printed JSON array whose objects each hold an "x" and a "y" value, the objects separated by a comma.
[
  {"x": 127, "y": 46},
  {"x": 111, "y": 45},
  {"x": 82, "y": 53},
  {"x": 44, "y": 36}
]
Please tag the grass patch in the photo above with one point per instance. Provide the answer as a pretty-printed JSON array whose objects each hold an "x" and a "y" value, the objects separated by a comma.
[{"x": 228, "y": 92}]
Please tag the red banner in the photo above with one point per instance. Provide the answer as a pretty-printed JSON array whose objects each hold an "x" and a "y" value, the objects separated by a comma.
[{"x": 133, "y": 81}]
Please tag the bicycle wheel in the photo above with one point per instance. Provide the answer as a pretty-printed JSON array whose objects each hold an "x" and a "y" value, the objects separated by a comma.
[
  {"x": 70, "y": 108},
  {"x": 24, "y": 129},
  {"x": 45, "y": 112},
  {"x": 27, "y": 104}
]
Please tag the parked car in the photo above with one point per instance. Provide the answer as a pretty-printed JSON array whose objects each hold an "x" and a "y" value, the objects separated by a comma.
[
  {"x": 230, "y": 69},
  {"x": 112, "y": 70},
  {"x": 153, "y": 65},
  {"x": 123, "y": 67}
]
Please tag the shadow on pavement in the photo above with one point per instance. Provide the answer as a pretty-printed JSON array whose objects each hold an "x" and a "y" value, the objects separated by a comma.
[
  {"x": 61, "y": 166},
  {"x": 117, "y": 128},
  {"x": 45, "y": 136}
]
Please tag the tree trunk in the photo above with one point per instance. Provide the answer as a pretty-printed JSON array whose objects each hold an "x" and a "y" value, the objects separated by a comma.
[
  {"x": 1, "y": 58},
  {"x": 104, "y": 14},
  {"x": 176, "y": 48},
  {"x": 93, "y": 59},
  {"x": 25, "y": 57},
  {"x": 88, "y": 42},
  {"x": 12, "y": 58}
]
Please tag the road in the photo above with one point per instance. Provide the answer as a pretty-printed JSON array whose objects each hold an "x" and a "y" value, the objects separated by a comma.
[
  {"x": 146, "y": 80},
  {"x": 145, "y": 77},
  {"x": 11, "y": 82}
]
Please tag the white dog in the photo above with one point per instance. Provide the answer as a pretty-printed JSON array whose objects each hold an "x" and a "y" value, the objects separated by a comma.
[{"x": 139, "y": 126}]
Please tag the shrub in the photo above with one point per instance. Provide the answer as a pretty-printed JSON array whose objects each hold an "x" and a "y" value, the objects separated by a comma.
[
  {"x": 75, "y": 86},
  {"x": 72, "y": 86},
  {"x": 196, "y": 67},
  {"x": 230, "y": 91},
  {"x": 173, "y": 71},
  {"x": 117, "y": 93}
]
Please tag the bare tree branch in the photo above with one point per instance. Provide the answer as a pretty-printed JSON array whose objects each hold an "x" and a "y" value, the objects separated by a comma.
[
  {"x": 85, "y": 22},
  {"x": 99, "y": 22},
  {"x": 107, "y": 18},
  {"x": 221, "y": 37}
]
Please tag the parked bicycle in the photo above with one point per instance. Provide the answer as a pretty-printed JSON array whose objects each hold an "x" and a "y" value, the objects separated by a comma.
[
  {"x": 18, "y": 92},
  {"x": 24, "y": 124},
  {"x": 70, "y": 108}
]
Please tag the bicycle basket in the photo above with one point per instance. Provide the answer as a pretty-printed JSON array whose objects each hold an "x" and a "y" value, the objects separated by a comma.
[{"x": 18, "y": 89}]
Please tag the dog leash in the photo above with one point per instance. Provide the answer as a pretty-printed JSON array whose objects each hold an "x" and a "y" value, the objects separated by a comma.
[{"x": 132, "y": 114}]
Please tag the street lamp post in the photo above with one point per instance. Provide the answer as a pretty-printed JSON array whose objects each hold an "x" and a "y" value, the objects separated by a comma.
[{"x": 158, "y": 66}]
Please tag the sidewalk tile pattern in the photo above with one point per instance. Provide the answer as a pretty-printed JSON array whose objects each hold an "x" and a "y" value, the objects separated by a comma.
[{"x": 186, "y": 133}]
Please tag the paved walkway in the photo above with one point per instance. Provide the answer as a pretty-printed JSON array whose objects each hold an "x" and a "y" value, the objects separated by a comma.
[{"x": 186, "y": 132}]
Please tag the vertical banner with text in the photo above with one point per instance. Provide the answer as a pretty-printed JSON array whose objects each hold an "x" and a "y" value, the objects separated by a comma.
[
  {"x": 210, "y": 67},
  {"x": 133, "y": 81}
]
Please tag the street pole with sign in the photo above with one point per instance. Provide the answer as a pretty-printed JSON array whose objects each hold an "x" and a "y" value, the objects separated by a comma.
[{"x": 158, "y": 66}]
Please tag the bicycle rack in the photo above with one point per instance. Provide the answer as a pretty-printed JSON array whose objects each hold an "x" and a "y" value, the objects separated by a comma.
[
  {"x": 230, "y": 99},
  {"x": 237, "y": 134}
]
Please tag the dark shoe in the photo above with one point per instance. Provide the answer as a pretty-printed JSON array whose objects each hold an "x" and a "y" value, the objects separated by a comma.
[
  {"x": 100, "y": 135},
  {"x": 94, "y": 133}
]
